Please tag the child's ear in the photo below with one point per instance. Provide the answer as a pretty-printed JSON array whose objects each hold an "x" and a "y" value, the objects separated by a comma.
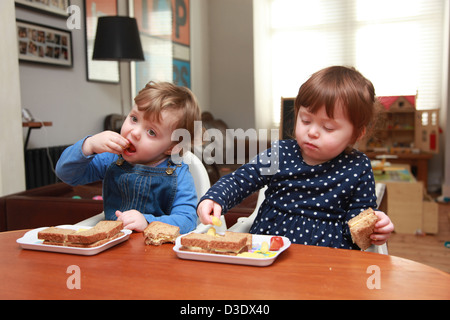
[
  {"x": 359, "y": 137},
  {"x": 362, "y": 134},
  {"x": 175, "y": 148}
]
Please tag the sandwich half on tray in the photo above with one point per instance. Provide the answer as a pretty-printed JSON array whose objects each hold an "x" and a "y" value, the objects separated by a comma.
[
  {"x": 361, "y": 227},
  {"x": 55, "y": 236},
  {"x": 101, "y": 233},
  {"x": 231, "y": 243}
]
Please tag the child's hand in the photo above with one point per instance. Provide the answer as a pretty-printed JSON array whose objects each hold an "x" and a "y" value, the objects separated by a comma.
[
  {"x": 206, "y": 208},
  {"x": 383, "y": 229},
  {"x": 132, "y": 220},
  {"x": 106, "y": 141}
]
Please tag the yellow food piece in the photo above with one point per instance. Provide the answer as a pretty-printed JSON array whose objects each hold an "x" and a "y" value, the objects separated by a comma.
[
  {"x": 264, "y": 247},
  {"x": 251, "y": 255},
  {"x": 211, "y": 231},
  {"x": 216, "y": 221}
]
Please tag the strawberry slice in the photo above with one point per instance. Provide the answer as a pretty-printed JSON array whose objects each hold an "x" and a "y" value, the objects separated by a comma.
[{"x": 276, "y": 243}]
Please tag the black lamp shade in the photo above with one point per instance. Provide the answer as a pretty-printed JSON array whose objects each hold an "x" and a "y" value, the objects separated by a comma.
[{"x": 117, "y": 39}]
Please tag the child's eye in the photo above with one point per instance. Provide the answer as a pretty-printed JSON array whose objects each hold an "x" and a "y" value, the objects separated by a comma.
[
  {"x": 329, "y": 129},
  {"x": 304, "y": 121},
  {"x": 151, "y": 133},
  {"x": 133, "y": 118}
]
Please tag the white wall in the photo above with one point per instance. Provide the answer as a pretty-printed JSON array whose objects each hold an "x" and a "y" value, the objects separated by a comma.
[
  {"x": 200, "y": 53},
  {"x": 12, "y": 172},
  {"x": 231, "y": 62}
]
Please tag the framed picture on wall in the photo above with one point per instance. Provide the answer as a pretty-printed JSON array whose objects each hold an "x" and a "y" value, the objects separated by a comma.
[
  {"x": 99, "y": 71},
  {"x": 56, "y": 7},
  {"x": 44, "y": 44},
  {"x": 164, "y": 27}
]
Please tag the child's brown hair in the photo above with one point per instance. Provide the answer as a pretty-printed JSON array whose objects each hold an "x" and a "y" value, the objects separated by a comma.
[
  {"x": 338, "y": 84},
  {"x": 160, "y": 96}
]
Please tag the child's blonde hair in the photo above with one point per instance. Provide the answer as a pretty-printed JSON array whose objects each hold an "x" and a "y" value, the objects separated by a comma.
[
  {"x": 344, "y": 85},
  {"x": 157, "y": 97}
]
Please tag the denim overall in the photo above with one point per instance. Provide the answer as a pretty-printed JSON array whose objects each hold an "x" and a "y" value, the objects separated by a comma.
[{"x": 149, "y": 190}]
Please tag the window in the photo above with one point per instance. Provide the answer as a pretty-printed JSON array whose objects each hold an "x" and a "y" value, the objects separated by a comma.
[{"x": 397, "y": 44}]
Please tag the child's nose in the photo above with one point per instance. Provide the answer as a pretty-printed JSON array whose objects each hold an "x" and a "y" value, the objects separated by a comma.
[
  {"x": 313, "y": 132},
  {"x": 136, "y": 133}
]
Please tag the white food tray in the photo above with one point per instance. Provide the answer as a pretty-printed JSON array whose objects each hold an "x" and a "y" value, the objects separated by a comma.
[
  {"x": 31, "y": 242},
  {"x": 257, "y": 239}
]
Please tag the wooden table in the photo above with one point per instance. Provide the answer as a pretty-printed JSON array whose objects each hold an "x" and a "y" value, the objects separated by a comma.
[{"x": 132, "y": 270}]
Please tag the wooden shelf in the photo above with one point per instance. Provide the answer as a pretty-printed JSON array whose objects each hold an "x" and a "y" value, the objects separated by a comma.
[{"x": 34, "y": 124}]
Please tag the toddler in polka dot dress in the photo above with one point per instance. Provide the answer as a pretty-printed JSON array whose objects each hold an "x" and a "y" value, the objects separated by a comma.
[{"x": 320, "y": 181}]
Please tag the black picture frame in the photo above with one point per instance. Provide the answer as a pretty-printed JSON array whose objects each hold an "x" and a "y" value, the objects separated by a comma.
[
  {"x": 54, "y": 7},
  {"x": 44, "y": 44}
]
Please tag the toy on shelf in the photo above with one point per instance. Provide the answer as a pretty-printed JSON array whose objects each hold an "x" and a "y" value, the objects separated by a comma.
[{"x": 403, "y": 129}]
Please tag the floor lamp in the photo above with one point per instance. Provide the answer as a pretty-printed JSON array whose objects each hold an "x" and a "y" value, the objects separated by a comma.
[{"x": 117, "y": 39}]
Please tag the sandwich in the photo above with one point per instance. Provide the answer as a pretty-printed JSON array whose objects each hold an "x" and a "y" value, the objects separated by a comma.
[
  {"x": 101, "y": 233},
  {"x": 55, "y": 236},
  {"x": 361, "y": 227},
  {"x": 231, "y": 243},
  {"x": 157, "y": 233}
]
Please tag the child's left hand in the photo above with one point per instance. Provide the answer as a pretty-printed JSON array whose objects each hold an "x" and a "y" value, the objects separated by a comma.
[
  {"x": 383, "y": 229},
  {"x": 132, "y": 220}
]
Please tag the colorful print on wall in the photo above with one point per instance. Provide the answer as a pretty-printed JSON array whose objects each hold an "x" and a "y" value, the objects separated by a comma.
[{"x": 164, "y": 26}]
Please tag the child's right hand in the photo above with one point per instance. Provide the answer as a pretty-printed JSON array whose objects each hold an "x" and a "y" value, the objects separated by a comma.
[
  {"x": 106, "y": 141},
  {"x": 206, "y": 208}
]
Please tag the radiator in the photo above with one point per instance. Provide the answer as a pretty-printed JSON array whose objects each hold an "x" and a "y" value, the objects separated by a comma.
[{"x": 40, "y": 164}]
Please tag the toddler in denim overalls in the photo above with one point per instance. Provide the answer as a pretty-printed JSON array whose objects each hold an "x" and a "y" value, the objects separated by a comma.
[{"x": 141, "y": 182}]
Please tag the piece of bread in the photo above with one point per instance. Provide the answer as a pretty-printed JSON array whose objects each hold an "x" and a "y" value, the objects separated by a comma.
[
  {"x": 157, "y": 233},
  {"x": 94, "y": 244},
  {"x": 197, "y": 242},
  {"x": 231, "y": 243},
  {"x": 361, "y": 227},
  {"x": 54, "y": 235},
  {"x": 102, "y": 230}
]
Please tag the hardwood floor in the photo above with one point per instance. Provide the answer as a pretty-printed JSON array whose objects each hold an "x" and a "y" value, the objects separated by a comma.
[{"x": 427, "y": 249}]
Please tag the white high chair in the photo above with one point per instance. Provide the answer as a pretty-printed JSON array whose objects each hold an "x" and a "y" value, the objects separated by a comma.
[
  {"x": 201, "y": 181},
  {"x": 244, "y": 224}
]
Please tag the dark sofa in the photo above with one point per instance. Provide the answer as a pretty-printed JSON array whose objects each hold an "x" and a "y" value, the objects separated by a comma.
[{"x": 49, "y": 206}]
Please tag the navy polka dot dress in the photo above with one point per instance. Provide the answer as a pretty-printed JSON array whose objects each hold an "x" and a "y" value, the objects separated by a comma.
[{"x": 310, "y": 205}]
